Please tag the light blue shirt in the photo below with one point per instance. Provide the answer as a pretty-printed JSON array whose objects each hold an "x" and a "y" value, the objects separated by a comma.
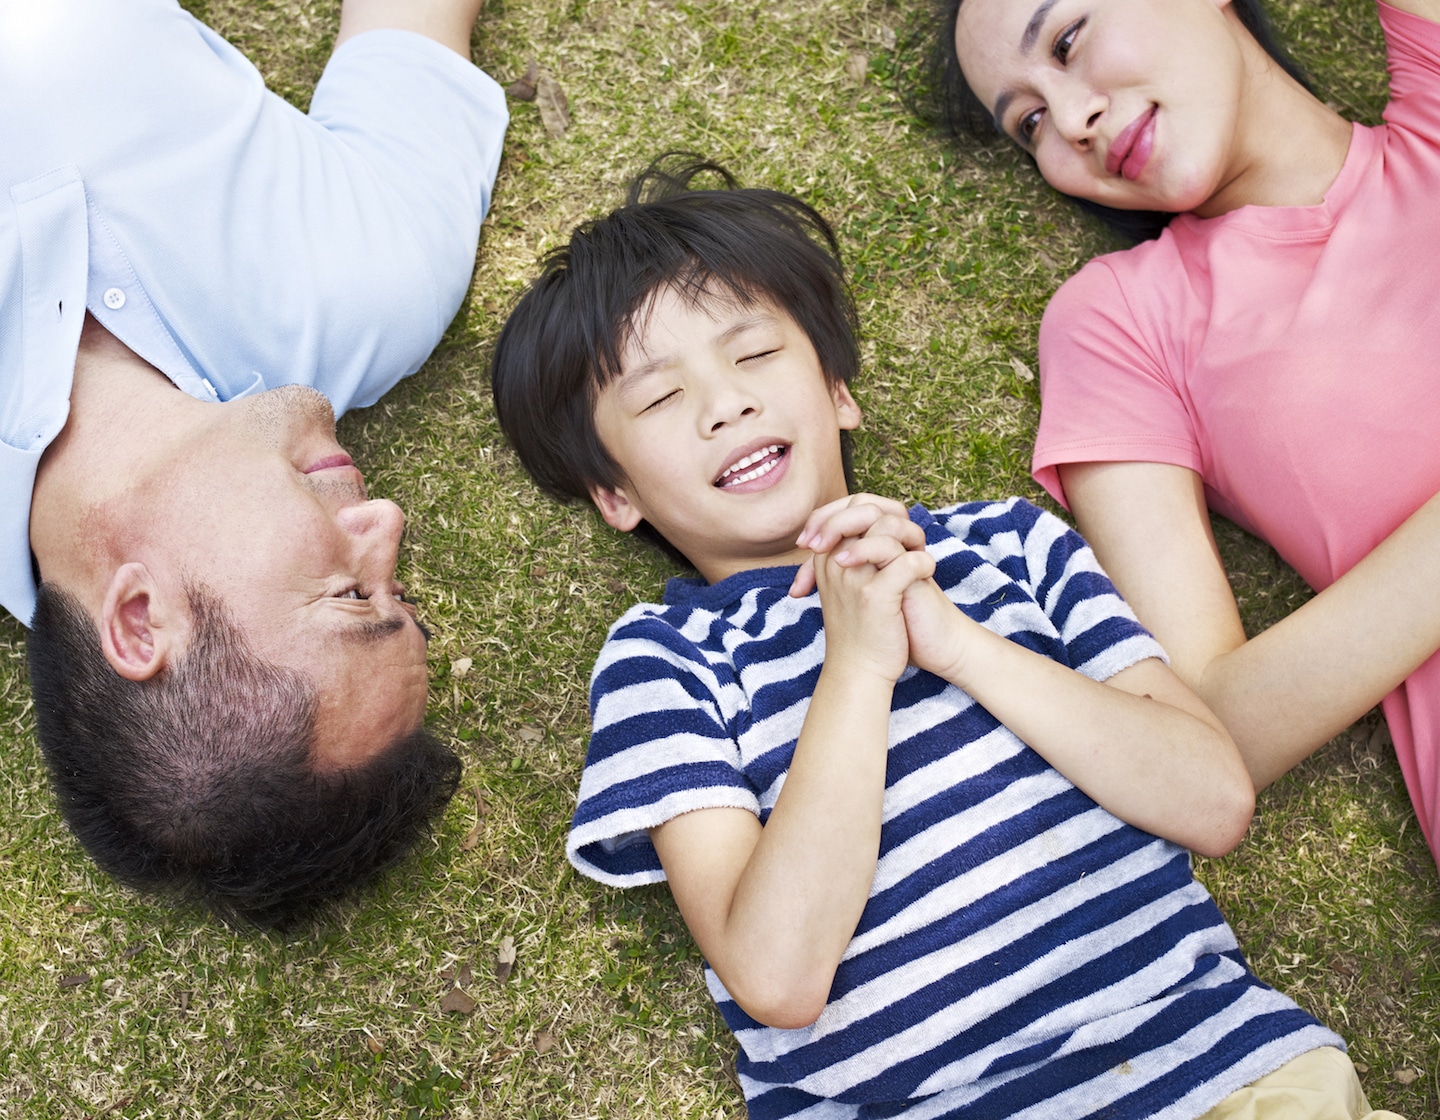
[{"x": 228, "y": 239}]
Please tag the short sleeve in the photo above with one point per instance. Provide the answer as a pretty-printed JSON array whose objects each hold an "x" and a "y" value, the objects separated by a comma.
[
  {"x": 1059, "y": 572},
  {"x": 1101, "y": 634},
  {"x": 660, "y": 746},
  {"x": 429, "y": 125},
  {"x": 1106, "y": 389},
  {"x": 1413, "y": 49}
]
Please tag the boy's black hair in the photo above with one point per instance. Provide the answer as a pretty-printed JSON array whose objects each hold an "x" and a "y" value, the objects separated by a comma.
[
  {"x": 963, "y": 115},
  {"x": 562, "y": 343}
]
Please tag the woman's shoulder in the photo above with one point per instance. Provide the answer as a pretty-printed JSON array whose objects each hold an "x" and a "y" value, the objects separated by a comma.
[{"x": 1126, "y": 285}]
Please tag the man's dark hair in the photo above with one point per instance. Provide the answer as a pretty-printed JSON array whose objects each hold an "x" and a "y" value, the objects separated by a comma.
[
  {"x": 963, "y": 114},
  {"x": 199, "y": 782},
  {"x": 561, "y": 345}
]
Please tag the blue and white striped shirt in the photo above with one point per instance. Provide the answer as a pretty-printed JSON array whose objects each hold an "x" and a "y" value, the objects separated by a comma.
[{"x": 1023, "y": 952}]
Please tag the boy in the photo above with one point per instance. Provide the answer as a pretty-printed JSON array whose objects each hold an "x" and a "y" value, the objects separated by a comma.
[{"x": 904, "y": 908}]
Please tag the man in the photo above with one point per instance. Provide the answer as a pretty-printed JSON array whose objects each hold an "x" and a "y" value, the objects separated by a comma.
[{"x": 229, "y": 683}]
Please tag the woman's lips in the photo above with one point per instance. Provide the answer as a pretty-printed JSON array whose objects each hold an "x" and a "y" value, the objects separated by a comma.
[{"x": 1130, "y": 151}]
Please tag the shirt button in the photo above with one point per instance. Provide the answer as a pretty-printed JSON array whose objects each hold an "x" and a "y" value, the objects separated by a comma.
[{"x": 114, "y": 299}]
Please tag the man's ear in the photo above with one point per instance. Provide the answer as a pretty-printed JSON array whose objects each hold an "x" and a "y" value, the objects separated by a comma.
[
  {"x": 617, "y": 509},
  {"x": 846, "y": 409},
  {"x": 139, "y": 626}
]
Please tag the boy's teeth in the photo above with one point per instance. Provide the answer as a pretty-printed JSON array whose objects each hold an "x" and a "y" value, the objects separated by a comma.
[{"x": 753, "y": 457}]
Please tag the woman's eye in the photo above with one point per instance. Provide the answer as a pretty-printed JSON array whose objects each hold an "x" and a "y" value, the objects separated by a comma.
[
  {"x": 351, "y": 593},
  {"x": 660, "y": 400},
  {"x": 1066, "y": 42},
  {"x": 757, "y": 356},
  {"x": 1029, "y": 124}
]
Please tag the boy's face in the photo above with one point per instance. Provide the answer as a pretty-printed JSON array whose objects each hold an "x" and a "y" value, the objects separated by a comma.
[{"x": 726, "y": 430}]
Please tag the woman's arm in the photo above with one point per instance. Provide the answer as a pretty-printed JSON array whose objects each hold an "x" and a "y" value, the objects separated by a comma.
[
  {"x": 1287, "y": 691},
  {"x": 773, "y": 909},
  {"x": 1141, "y": 743}
]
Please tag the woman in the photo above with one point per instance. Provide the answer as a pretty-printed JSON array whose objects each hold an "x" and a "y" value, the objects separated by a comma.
[{"x": 1273, "y": 355}]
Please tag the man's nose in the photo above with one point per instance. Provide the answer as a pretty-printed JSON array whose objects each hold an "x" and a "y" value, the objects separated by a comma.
[{"x": 376, "y": 526}]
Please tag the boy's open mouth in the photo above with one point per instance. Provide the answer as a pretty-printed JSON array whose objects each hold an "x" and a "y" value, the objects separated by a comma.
[{"x": 752, "y": 466}]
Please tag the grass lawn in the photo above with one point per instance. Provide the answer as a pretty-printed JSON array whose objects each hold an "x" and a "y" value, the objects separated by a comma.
[{"x": 113, "y": 1006}]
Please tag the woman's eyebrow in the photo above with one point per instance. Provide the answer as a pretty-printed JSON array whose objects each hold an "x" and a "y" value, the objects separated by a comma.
[
  {"x": 1032, "y": 29},
  {"x": 1027, "y": 43}
]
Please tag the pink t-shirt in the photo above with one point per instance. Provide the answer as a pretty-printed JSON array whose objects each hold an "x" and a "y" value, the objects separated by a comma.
[{"x": 1289, "y": 355}]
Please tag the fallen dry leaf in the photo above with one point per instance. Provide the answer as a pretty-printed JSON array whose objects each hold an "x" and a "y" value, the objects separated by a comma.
[
  {"x": 373, "y": 1044},
  {"x": 505, "y": 960},
  {"x": 456, "y": 1000},
  {"x": 544, "y": 1041},
  {"x": 472, "y": 838},
  {"x": 1407, "y": 1076},
  {"x": 1022, "y": 371},
  {"x": 523, "y": 88},
  {"x": 74, "y": 980},
  {"x": 554, "y": 106},
  {"x": 80, "y": 908},
  {"x": 530, "y": 733},
  {"x": 887, "y": 37},
  {"x": 856, "y": 67},
  {"x": 461, "y": 666}
]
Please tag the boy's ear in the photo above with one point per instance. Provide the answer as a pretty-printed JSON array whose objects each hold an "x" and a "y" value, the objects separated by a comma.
[
  {"x": 846, "y": 409},
  {"x": 139, "y": 629},
  {"x": 617, "y": 509}
]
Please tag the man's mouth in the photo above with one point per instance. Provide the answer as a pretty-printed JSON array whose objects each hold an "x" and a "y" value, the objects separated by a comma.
[
  {"x": 755, "y": 465},
  {"x": 330, "y": 462}
]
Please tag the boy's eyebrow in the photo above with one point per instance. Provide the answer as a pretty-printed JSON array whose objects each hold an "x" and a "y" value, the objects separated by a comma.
[{"x": 654, "y": 365}]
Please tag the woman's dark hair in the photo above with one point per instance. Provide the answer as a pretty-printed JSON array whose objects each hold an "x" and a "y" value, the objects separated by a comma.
[
  {"x": 562, "y": 343},
  {"x": 963, "y": 115}
]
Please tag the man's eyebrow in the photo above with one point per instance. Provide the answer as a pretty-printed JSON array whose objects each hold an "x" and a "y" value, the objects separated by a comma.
[{"x": 374, "y": 630}]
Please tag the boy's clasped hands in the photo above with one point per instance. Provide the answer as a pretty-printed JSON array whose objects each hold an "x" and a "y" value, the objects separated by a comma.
[{"x": 877, "y": 593}]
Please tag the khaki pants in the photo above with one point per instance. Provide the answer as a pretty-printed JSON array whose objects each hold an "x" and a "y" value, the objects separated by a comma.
[{"x": 1320, "y": 1085}]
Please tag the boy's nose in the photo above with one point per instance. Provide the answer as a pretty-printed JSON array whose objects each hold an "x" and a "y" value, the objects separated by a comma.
[{"x": 730, "y": 400}]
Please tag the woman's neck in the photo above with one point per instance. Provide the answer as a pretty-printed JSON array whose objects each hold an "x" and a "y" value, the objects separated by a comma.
[{"x": 1289, "y": 148}]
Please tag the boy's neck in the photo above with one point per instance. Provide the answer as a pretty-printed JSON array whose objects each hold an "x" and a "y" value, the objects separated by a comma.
[{"x": 715, "y": 569}]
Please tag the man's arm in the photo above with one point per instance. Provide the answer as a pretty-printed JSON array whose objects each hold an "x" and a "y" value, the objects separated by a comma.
[
  {"x": 773, "y": 909},
  {"x": 448, "y": 22},
  {"x": 1287, "y": 691}
]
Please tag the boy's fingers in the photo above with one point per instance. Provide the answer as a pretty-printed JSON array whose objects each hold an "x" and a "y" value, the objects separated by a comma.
[
  {"x": 804, "y": 581},
  {"x": 875, "y": 551},
  {"x": 862, "y": 519},
  {"x": 849, "y": 516}
]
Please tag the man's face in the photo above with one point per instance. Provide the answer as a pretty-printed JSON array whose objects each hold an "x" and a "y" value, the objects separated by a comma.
[{"x": 265, "y": 508}]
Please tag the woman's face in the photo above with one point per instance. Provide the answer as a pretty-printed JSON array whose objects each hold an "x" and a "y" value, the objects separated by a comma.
[{"x": 1130, "y": 103}]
